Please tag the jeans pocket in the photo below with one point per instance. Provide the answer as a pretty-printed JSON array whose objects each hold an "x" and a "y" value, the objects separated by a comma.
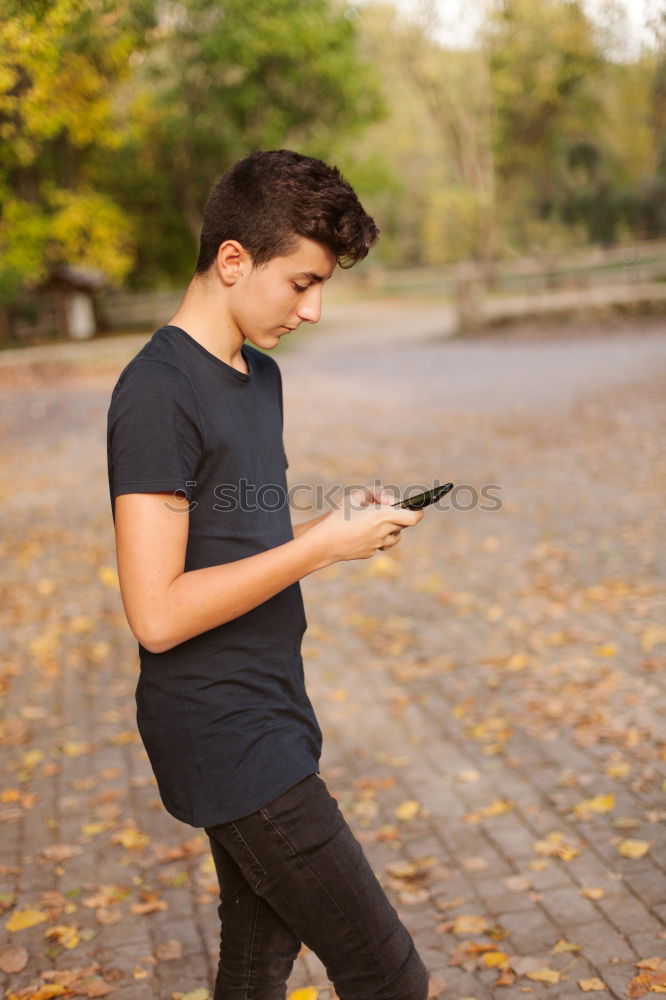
[{"x": 245, "y": 857}]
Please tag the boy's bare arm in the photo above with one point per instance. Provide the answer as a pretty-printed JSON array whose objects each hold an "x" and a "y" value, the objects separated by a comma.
[
  {"x": 166, "y": 605},
  {"x": 300, "y": 529}
]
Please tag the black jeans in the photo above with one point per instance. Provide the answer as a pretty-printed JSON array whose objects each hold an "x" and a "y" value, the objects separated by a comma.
[{"x": 294, "y": 872}]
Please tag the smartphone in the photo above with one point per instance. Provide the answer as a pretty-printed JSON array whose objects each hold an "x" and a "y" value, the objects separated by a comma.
[{"x": 424, "y": 499}]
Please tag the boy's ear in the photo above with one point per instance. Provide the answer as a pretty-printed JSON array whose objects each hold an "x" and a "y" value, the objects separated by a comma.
[{"x": 232, "y": 261}]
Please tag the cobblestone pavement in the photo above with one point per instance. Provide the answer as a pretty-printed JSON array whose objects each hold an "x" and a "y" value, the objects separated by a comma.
[{"x": 492, "y": 691}]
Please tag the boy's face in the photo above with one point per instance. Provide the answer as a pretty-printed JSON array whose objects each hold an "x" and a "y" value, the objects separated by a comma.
[{"x": 271, "y": 301}]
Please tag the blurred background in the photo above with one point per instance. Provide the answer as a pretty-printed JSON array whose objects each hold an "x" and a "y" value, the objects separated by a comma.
[{"x": 507, "y": 148}]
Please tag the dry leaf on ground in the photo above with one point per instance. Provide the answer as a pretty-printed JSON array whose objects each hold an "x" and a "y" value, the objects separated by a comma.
[
  {"x": 169, "y": 950},
  {"x": 592, "y": 892},
  {"x": 599, "y": 804},
  {"x": 589, "y": 985},
  {"x": 544, "y": 975},
  {"x": 64, "y": 934},
  {"x": 21, "y": 919},
  {"x": 14, "y": 959},
  {"x": 470, "y": 923},
  {"x": 634, "y": 849},
  {"x": 408, "y": 809}
]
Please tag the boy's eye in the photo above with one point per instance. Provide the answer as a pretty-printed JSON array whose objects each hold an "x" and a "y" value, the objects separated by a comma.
[{"x": 300, "y": 288}]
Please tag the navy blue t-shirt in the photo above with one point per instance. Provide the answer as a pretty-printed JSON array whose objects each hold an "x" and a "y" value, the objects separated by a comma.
[{"x": 224, "y": 716}]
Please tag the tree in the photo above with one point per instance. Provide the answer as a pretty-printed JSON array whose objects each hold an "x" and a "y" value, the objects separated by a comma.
[
  {"x": 58, "y": 61},
  {"x": 220, "y": 80},
  {"x": 542, "y": 57},
  {"x": 455, "y": 88}
]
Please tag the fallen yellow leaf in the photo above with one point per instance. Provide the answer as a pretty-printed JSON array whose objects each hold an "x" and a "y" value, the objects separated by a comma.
[
  {"x": 207, "y": 866},
  {"x": 383, "y": 565},
  {"x": 106, "y": 895},
  {"x": 469, "y": 923},
  {"x": 599, "y": 804},
  {"x": 591, "y": 984},
  {"x": 151, "y": 906},
  {"x": 497, "y": 808},
  {"x": 20, "y": 919},
  {"x": 618, "y": 769},
  {"x": 408, "y": 809},
  {"x": 402, "y": 869},
  {"x": 92, "y": 829},
  {"x": 634, "y": 849},
  {"x": 305, "y": 993},
  {"x": 109, "y": 576},
  {"x": 412, "y": 897},
  {"x": 592, "y": 892},
  {"x": 131, "y": 838},
  {"x": 81, "y": 623},
  {"x": 45, "y": 992},
  {"x": 653, "y": 635},
  {"x": 124, "y": 737},
  {"x": 606, "y": 650},
  {"x": 654, "y": 964},
  {"x": 64, "y": 934},
  {"x": 654, "y": 982},
  {"x": 31, "y": 758},
  {"x": 496, "y": 960},
  {"x": 564, "y": 946},
  {"x": 556, "y": 845},
  {"x": 518, "y": 662},
  {"x": 544, "y": 975}
]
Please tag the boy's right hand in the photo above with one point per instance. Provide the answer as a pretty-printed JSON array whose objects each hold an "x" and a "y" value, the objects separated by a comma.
[{"x": 363, "y": 524}]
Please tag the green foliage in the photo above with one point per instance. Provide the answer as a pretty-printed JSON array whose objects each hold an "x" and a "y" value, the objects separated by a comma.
[
  {"x": 117, "y": 115},
  {"x": 219, "y": 81},
  {"x": 58, "y": 60},
  {"x": 542, "y": 59}
]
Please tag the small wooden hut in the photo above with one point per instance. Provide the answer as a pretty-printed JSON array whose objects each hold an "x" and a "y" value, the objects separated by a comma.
[{"x": 64, "y": 306}]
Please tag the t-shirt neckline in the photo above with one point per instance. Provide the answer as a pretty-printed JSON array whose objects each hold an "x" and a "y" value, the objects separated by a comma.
[{"x": 242, "y": 376}]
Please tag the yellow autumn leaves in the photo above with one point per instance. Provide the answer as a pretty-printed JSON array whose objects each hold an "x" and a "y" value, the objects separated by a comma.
[
  {"x": 407, "y": 810},
  {"x": 65, "y": 934},
  {"x": 27, "y": 917}
]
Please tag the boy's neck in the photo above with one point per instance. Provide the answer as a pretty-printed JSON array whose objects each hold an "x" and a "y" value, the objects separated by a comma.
[{"x": 202, "y": 314}]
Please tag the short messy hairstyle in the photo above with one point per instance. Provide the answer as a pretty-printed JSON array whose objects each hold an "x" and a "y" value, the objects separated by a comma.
[{"x": 271, "y": 198}]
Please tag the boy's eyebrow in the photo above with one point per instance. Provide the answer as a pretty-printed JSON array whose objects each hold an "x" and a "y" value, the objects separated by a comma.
[{"x": 312, "y": 276}]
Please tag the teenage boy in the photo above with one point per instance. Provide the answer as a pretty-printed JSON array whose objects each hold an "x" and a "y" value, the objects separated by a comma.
[{"x": 209, "y": 580}]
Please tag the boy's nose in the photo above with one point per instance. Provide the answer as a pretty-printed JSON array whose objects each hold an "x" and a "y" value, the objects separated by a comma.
[{"x": 310, "y": 306}]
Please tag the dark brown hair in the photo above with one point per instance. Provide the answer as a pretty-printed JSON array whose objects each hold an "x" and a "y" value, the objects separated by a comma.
[{"x": 269, "y": 199}]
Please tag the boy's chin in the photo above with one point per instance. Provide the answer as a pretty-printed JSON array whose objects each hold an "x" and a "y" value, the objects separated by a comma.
[{"x": 264, "y": 341}]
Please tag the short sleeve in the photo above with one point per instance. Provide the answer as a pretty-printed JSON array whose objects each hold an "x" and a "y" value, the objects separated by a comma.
[{"x": 154, "y": 441}]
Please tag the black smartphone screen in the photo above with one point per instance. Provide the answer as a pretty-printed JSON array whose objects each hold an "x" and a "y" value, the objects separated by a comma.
[{"x": 424, "y": 499}]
